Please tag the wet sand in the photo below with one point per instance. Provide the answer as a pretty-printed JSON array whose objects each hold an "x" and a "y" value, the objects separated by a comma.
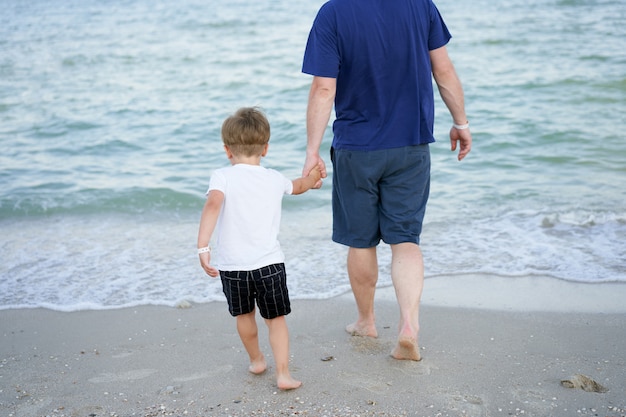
[{"x": 500, "y": 359}]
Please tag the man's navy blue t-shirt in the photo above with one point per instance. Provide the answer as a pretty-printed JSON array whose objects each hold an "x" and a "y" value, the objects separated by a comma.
[{"x": 378, "y": 50}]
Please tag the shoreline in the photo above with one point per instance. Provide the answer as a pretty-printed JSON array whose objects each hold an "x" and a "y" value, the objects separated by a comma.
[
  {"x": 158, "y": 361},
  {"x": 524, "y": 293},
  {"x": 474, "y": 291}
]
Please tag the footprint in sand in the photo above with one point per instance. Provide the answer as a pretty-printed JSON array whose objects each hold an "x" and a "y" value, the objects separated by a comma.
[
  {"x": 412, "y": 368},
  {"x": 224, "y": 369},
  {"x": 471, "y": 405},
  {"x": 370, "y": 346},
  {"x": 124, "y": 376},
  {"x": 372, "y": 383}
]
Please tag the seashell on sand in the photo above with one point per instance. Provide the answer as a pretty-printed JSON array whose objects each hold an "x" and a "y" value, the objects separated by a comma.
[{"x": 583, "y": 382}]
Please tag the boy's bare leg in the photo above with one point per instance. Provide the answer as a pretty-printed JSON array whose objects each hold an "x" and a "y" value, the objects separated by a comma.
[
  {"x": 279, "y": 340},
  {"x": 407, "y": 274},
  {"x": 363, "y": 273},
  {"x": 249, "y": 334}
]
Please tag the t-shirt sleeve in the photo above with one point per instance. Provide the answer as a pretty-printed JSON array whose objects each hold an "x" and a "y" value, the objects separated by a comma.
[
  {"x": 288, "y": 185},
  {"x": 439, "y": 34},
  {"x": 321, "y": 56},
  {"x": 217, "y": 182}
]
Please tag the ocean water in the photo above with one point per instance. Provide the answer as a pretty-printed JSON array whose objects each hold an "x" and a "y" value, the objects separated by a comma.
[{"x": 110, "y": 114}]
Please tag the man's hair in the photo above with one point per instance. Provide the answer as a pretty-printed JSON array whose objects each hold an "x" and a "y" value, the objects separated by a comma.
[{"x": 246, "y": 132}]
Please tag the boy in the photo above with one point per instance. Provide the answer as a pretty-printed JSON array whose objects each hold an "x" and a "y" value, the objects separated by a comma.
[{"x": 244, "y": 206}]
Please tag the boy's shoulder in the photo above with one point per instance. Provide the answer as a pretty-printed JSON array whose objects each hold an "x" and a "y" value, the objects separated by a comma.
[{"x": 245, "y": 170}]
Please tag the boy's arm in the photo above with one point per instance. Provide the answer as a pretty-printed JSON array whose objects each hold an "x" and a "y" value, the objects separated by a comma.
[
  {"x": 210, "y": 213},
  {"x": 304, "y": 184}
]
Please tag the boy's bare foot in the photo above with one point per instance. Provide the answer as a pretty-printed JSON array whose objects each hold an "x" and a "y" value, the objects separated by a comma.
[
  {"x": 357, "y": 330},
  {"x": 287, "y": 383},
  {"x": 406, "y": 349},
  {"x": 259, "y": 366}
]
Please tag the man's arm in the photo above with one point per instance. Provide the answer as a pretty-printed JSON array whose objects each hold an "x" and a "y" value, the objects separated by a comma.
[
  {"x": 321, "y": 99},
  {"x": 452, "y": 95}
]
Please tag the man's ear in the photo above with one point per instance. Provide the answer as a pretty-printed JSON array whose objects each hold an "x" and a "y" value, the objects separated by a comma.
[
  {"x": 267, "y": 145},
  {"x": 229, "y": 154}
]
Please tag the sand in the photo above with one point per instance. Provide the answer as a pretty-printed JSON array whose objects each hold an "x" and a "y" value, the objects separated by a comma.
[{"x": 480, "y": 358}]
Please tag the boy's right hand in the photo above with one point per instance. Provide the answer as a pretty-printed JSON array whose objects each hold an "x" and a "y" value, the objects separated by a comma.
[{"x": 205, "y": 262}]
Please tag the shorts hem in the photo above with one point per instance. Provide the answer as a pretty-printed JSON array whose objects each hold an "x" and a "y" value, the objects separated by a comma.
[{"x": 346, "y": 242}]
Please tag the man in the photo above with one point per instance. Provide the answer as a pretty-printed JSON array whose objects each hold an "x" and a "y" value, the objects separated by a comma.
[{"x": 375, "y": 61}]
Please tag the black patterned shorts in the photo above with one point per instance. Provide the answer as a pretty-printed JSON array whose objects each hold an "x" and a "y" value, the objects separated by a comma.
[{"x": 267, "y": 286}]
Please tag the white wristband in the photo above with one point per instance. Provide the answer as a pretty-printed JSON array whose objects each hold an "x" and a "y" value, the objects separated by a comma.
[
  {"x": 204, "y": 250},
  {"x": 460, "y": 127}
]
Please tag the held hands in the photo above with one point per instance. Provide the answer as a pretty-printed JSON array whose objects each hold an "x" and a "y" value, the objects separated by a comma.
[
  {"x": 315, "y": 167},
  {"x": 464, "y": 137},
  {"x": 316, "y": 174},
  {"x": 205, "y": 262}
]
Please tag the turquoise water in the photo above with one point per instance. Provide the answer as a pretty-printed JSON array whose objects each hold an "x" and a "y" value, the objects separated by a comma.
[{"x": 109, "y": 130}]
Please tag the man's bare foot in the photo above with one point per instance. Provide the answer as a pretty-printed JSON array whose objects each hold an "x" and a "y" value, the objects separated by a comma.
[
  {"x": 287, "y": 382},
  {"x": 257, "y": 367},
  {"x": 357, "y": 330},
  {"x": 406, "y": 349}
]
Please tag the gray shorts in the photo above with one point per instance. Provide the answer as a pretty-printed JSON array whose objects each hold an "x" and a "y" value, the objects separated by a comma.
[
  {"x": 266, "y": 286},
  {"x": 380, "y": 195}
]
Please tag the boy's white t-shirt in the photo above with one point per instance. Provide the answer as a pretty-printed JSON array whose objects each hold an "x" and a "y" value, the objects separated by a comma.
[{"x": 248, "y": 225}]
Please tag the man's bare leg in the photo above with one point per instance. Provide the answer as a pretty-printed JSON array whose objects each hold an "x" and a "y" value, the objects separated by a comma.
[
  {"x": 363, "y": 273},
  {"x": 249, "y": 334},
  {"x": 407, "y": 274}
]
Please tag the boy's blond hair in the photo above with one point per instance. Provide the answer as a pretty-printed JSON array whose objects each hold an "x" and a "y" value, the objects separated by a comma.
[{"x": 246, "y": 132}]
